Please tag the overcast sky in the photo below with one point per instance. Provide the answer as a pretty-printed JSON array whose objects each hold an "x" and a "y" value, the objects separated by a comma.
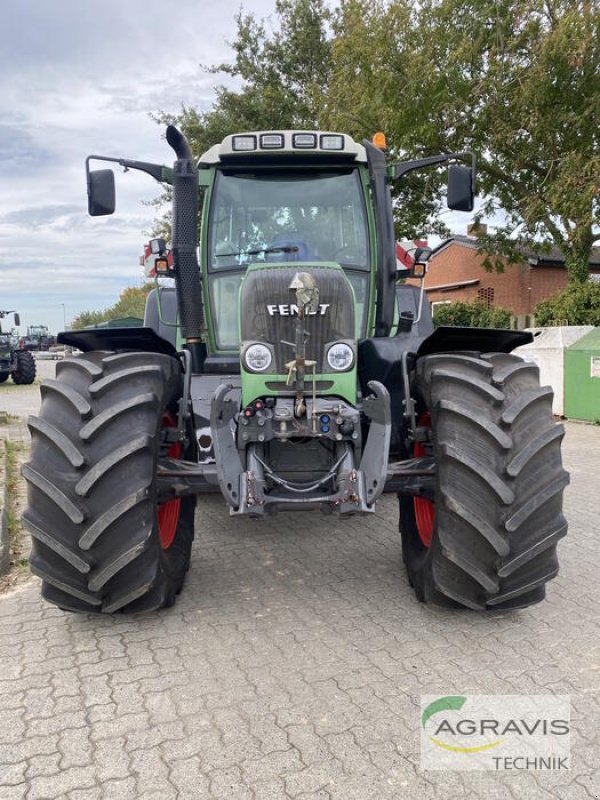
[{"x": 80, "y": 77}]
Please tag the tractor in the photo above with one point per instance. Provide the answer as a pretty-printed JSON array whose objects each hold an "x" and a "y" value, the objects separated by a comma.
[
  {"x": 38, "y": 337},
  {"x": 290, "y": 368},
  {"x": 18, "y": 364}
]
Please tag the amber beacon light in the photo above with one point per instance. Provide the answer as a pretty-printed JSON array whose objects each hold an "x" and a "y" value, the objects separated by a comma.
[{"x": 379, "y": 140}]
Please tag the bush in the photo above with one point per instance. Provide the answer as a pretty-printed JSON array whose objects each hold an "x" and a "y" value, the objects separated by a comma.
[
  {"x": 579, "y": 304},
  {"x": 472, "y": 315},
  {"x": 131, "y": 303}
]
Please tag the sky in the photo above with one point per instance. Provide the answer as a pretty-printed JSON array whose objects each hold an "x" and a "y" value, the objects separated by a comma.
[{"x": 79, "y": 77}]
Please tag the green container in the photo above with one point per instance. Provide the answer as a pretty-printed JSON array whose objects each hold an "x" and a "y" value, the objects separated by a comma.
[{"x": 582, "y": 378}]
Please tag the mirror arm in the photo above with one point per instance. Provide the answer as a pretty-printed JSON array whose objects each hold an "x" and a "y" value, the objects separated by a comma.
[
  {"x": 421, "y": 296},
  {"x": 157, "y": 171},
  {"x": 401, "y": 168}
]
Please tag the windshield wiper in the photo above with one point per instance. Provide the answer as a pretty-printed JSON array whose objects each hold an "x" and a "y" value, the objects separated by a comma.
[{"x": 262, "y": 250}]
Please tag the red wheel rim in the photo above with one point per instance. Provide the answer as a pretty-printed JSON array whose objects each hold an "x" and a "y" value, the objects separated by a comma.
[
  {"x": 168, "y": 513},
  {"x": 424, "y": 509}
]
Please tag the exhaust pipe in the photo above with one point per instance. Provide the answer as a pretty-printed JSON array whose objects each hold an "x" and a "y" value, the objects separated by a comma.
[{"x": 185, "y": 244}]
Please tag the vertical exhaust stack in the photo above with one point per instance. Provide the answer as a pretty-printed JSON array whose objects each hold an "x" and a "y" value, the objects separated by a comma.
[{"x": 185, "y": 244}]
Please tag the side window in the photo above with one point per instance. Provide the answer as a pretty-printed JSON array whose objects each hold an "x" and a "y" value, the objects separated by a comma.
[
  {"x": 222, "y": 243},
  {"x": 224, "y": 290}
]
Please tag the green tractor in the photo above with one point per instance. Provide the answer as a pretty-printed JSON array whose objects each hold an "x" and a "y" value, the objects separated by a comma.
[
  {"x": 15, "y": 363},
  {"x": 291, "y": 370},
  {"x": 38, "y": 337}
]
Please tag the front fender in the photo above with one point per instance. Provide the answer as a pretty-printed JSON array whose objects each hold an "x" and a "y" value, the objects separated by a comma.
[
  {"x": 447, "y": 339},
  {"x": 141, "y": 339}
]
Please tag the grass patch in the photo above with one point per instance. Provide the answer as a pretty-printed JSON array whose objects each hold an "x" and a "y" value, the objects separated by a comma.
[
  {"x": 12, "y": 476},
  {"x": 18, "y": 568}
]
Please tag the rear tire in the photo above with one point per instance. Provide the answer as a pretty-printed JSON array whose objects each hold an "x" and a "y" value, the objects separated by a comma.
[
  {"x": 92, "y": 498},
  {"x": 497, "y": 515},
  {"x": 25, "y": 369},
  {"x": 4, "y": 376}
]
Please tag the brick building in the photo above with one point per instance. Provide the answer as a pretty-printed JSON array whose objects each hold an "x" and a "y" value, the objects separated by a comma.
[{"x": 456, "y": 272}]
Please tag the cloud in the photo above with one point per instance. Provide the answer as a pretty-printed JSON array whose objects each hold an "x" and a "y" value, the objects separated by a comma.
[
  {"x": 79, "y": 78},
  {"x": 40, "y": 216}
]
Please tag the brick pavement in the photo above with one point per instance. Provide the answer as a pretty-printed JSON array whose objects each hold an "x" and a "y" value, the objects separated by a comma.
[{"x": 291, "y": 667}]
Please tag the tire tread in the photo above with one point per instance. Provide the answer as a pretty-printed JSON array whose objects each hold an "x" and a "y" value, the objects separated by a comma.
[
  {"x": 498, "y": 514},
  {"x": 91, "y": 485}
]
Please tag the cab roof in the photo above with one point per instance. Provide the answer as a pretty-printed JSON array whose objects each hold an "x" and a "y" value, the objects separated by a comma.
[{"x": 252, "y": 145}]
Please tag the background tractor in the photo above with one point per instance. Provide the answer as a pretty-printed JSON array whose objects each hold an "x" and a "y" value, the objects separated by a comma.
[
  {"x": 14, "y": 363},
  {"x": 38, "y": 337},
  {"x": 291, "y": 370}
]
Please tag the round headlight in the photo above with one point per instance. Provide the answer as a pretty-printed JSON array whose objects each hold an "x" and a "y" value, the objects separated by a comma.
[
  {"x": 258, "y": 357},
  {"x": 340, "y": 356}
]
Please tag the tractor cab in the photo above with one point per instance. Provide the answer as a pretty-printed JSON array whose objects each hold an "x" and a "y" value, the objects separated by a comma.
[{"x": 289, "y": 198}]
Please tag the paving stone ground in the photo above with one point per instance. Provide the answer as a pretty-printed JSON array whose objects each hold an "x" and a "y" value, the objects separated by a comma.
[{"x": 292, "y": 667}]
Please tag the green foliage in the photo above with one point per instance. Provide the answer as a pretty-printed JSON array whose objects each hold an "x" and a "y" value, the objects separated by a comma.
[
  {"x": 579, "y": 304},
  {"x": 283, "y": 73},
  {"x": 12, "y": 475},
  {"x": 517, "y": 81},
  {"x": 471, "y": 315},
  {"x": 131, "y": 303},
  {"x": 86, "y": 319}
]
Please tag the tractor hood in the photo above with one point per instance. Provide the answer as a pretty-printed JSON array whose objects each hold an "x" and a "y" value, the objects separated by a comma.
[{"x": 269, "y": 315}]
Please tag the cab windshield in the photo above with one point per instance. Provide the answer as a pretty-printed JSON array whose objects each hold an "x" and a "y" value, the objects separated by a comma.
[
  {"x": 318, "y": 216},
  {"x": 269, "y": 217}
]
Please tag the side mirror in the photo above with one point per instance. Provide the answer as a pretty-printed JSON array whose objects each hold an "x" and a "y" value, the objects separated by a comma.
[
  {"x": 17, "y": 319},
  {"x": 419, "y": 265},
  {"x": 461, "y": 195},
  {"x": 158, "y": 247},
  {"x": 422, "y": 254},
  {"x": 419, "y": 268},
  {"x": 101, "y": 192}
]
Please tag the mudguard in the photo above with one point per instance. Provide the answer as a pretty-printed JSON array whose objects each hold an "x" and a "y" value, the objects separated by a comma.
[
  {"x": 447, "y": 339},
  {"x": 140, "y": 339}
]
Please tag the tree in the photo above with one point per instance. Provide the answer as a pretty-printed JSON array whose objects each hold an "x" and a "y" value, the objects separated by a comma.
[
  {"x": 131, "y": 303},
  {"x": 87, "y": 319},
  {"x": 579, "y": 304},
  {"x": 283, "y": 73},
  {"x": 371, "y": 51},
  {"x": 517, "y": 81},
  {"x": 475, "y": 314}
]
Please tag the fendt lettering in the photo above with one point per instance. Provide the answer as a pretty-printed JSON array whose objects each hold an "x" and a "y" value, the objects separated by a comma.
[
  {"x": 286, "y": 363},
  {"x": 291, "y": 310}
]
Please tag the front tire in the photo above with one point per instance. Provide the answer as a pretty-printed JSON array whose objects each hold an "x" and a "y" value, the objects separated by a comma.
[
  {"x": 99, "y": 537},
  {"x": 489, "y": 539},
  {"x": 25, "y": 370}
]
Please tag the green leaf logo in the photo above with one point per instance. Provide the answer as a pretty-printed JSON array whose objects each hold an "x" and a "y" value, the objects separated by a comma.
[{"x": 451, "y": 703}]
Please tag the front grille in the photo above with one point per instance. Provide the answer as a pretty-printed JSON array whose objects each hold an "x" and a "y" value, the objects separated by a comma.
[{"x": 267, "y": 310}]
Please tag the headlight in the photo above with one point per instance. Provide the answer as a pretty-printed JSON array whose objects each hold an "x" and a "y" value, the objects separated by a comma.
[
  {"x": 258, "y": 357},
  {"x": 340, "y": 356}
]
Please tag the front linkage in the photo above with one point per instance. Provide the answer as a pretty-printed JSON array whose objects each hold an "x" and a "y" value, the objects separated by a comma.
[{"x": 357, "y": 485}]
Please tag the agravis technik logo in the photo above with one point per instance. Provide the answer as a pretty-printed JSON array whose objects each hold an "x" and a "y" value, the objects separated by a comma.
[{"x": 497, "y": 732}]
